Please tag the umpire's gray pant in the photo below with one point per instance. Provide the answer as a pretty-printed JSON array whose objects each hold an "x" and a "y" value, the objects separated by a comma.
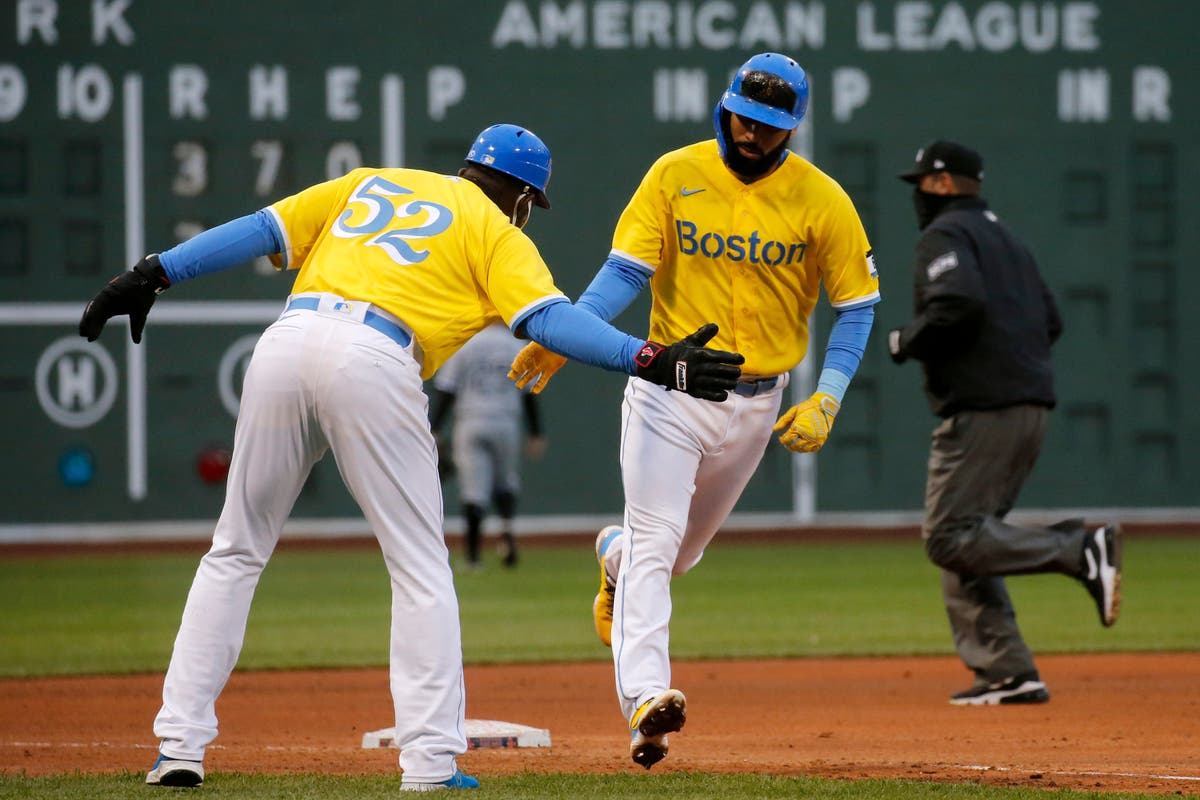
[{"x": 978, "y": 461}]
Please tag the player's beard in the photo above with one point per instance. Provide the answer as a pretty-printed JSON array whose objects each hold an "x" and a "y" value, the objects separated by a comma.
[
  {"x": 749, "y": 168},
  {"x": 753, "y": 168}
]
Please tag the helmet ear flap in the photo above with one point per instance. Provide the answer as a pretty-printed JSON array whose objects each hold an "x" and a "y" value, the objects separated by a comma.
[{"x": 721, "y": 117}]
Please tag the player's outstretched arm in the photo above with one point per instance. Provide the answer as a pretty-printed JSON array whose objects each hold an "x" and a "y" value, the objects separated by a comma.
[
  {"x": 685, "y": 365},
  {"x": 218, "y": 248},
  {"x": 615, "y": 286},
  {"x": 131, "y": 293}
]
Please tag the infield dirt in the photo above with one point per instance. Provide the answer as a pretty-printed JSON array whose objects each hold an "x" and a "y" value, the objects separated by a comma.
[{"x": 1114, "y": 723}]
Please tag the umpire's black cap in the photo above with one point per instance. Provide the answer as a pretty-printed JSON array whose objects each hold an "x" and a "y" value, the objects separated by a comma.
[{"x": 943, "y": 156}]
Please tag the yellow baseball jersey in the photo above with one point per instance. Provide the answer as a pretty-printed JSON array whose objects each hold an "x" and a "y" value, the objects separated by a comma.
[
  {"x": 749, "y": 257},
  {"x": 431, "y": 249}
]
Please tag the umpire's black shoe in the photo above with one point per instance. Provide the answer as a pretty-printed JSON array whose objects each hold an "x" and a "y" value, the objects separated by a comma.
[
  {"x": 1102, "y": 570},
  {"x": 1024, "y": 688}
]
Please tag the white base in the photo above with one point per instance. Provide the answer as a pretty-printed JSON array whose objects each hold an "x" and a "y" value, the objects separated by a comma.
[{"x": 480, "y": 733}]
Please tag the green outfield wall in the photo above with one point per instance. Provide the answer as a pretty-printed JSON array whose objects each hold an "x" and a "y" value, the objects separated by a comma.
[{"x": 127, "y": 125}]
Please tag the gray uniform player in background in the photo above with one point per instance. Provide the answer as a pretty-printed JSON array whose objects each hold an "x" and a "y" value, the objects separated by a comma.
[
  {"x": 487, "y": 433},
  {"x": 983, "y": 325}
]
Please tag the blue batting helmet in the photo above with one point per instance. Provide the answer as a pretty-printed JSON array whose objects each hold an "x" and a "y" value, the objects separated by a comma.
[
  {"x": 515, "y": 151},
  {"x": 769, "y": 88}
]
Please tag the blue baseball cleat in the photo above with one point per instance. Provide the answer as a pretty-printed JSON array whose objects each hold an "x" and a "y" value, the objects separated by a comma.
[{"x": 459, "y": 780}]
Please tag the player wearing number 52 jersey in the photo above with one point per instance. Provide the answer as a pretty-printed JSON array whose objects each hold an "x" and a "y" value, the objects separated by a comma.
[
  {"x": 397, "y": 268},
  {"x": 740, "y": 231},
  {"x": 397, "y": 218}
]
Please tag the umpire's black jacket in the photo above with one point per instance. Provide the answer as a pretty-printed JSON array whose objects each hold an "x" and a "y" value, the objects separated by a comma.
[{"x": 983, "y": 318}]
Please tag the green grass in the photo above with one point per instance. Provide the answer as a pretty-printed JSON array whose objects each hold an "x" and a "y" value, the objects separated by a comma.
[
  {"x": 532, "y": 787},
  {"x": 328, "y": 607},
  {"x": 118, "y": 613}
]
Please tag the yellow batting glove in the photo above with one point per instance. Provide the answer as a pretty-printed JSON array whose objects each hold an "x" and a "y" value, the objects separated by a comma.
[
  {"x": 806, "y": 427},
  {"x": 535, "y": 361}
]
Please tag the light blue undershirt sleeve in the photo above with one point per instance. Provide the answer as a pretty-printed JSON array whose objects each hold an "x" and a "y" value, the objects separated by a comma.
[
  {"x": 847, "y": 342},
  {"x": 615, "y": 286},
  {"x": 222, "y": 247},
  {"x": 580, "y": 336}
]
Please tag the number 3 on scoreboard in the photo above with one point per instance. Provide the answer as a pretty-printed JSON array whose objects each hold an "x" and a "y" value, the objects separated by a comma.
[{"x": 376, "y": 194}]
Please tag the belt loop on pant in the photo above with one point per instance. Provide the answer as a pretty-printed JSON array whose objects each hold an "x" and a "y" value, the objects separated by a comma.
[
  {"x": 752, "y": 388},
  {"x": 377, "y": 321}
]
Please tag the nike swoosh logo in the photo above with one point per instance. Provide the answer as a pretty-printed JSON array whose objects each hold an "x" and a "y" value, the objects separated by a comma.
[{"x": 686, "y": 192}]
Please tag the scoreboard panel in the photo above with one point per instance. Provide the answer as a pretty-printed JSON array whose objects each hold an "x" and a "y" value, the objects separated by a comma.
[{"x": 127, "y": 126}]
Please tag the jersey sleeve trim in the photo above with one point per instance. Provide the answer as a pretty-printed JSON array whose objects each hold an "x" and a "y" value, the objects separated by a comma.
[
  {"x": 857, "y": 302},
  {"x": 523, "y": 314},
  {"x": 633, "y": 261},
  {"x": 281, "y": 236}
]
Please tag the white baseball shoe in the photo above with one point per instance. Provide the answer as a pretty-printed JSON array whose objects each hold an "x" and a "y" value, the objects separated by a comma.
[{"x": 169, "y": 771}]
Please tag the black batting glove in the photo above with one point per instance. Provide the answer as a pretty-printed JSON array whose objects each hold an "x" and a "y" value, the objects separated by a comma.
[
  {"x": 690, "y": 367},
  {"x": 895, "y": 349},
  {"x": 131, "y": 293}
]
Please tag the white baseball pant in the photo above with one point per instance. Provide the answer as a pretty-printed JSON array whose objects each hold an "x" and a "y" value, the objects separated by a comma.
[
  {"x": 684, "y": 463},
  {"x": 321, "y": 380}
]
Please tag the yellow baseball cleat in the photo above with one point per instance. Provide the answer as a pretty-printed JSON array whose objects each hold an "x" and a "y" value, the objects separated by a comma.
[
  {"x": 654, "y": 719},
  {"x": 602, "y": 606}
]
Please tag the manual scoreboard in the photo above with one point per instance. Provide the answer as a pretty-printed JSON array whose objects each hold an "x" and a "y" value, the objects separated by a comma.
[{"x": 127, "y": 126}]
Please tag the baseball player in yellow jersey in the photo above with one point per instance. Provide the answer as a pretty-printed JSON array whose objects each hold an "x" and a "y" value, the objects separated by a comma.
[
  {"x": 397, "y": 268},
  {"x": 743, "y": 232}
]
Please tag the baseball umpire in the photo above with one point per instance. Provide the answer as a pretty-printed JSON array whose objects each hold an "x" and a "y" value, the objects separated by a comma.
[
  {"x": 982, "y": 328},
  {"x": 740, "y": 230},
  {"x": 396, "y": 268}
]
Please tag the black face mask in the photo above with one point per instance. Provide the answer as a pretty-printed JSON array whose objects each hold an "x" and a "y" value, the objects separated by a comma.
[{"x": 928, "y": 206}]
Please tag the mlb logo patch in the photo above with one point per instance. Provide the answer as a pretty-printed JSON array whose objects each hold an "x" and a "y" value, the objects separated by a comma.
[{"x": 941, "y": 265}]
